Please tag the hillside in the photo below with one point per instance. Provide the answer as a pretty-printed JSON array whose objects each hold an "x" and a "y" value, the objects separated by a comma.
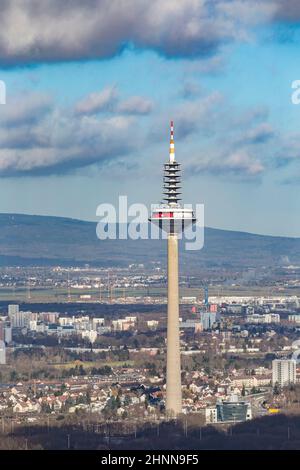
[{"x": 43, "y": 240}]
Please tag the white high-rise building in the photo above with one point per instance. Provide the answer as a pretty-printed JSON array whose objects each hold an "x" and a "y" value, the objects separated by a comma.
[
  {"x": 283, "y": 372},
  {"x": 7, "y": 335},
  {"x": 13, "y": 310},
  {"x": 2, "y": 353},
  {"x": 20, "y": 319},
  {"x": 17, "y": 318}
]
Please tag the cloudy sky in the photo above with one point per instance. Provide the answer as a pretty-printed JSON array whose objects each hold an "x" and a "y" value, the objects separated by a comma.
[{"x": 92, "y": 86}]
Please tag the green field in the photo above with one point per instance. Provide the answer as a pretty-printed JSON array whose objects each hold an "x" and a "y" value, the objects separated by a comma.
[{"x": 50, "y": 295}]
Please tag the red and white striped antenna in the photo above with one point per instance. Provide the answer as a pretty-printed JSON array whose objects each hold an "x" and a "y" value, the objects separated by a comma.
[{"x": 172, "y": 145}]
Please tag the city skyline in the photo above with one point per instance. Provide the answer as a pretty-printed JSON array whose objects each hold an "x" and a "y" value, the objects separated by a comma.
[
  {"x": 76, "y": 120},
  {"x": 149, "y": 298}
]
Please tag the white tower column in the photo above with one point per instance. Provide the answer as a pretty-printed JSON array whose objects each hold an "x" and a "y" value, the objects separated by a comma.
[{"x": 173, "y": 398}]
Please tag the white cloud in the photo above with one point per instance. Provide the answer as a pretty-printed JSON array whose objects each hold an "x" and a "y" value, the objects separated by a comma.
[
  {"x": 103, "y": 100},
  {"x": 135, "y": 105},
  {"x": 241, "y": 161}
]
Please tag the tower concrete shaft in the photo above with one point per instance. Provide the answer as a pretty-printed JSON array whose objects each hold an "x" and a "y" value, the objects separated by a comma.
[{"x": 173, "y": 398}]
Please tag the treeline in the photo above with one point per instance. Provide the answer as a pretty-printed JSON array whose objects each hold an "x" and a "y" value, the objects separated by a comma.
[
  {"x": 108, "y": 340},
  {"x": 80, "y": 370},
  {"x": 279, "y": 432}
]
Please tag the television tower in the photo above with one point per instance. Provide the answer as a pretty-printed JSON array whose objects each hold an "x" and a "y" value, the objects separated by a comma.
[{"x": 172, "y": 218}]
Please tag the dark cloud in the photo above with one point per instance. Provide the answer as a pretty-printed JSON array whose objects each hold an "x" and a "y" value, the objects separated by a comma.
[
  {"x": 34, "y": 31},
  {"x": 39, "y": 138},
  {"x": 287, "y": 10}
]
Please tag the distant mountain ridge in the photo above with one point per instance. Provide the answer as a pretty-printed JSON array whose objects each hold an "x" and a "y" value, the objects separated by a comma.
[{"x": 48, "y": 240}]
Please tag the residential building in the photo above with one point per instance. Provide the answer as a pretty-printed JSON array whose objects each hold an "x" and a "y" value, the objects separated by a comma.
[
  {"x": 2, "y": 353},
  {"x": 283, "y": 372}
]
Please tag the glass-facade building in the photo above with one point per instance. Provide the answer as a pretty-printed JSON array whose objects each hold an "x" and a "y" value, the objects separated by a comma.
[{"x": 233, "y": 411}]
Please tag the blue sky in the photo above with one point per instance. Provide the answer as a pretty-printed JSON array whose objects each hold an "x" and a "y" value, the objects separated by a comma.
[{"x": 78, "y": 130}]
